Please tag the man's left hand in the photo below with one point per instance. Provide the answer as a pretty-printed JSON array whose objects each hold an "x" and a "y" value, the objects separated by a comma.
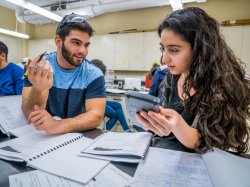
[{"x": 43, "y": 121}]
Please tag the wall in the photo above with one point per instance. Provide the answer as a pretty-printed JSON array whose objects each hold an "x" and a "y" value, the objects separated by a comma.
[
  {"x": 8, "y": 21},
  {"x": 142, "y": 19},
  {"x": 17, "y": 47},
  {"x": 238, "y": 39},
  {"x": 149, "y": 18},
  {"x": 133, "y": 54}
]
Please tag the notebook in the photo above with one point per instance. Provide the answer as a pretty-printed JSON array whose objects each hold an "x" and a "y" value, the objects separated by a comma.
[
  {"x": 120, "y": 147},
  {"x": 54, "y": 154},
  {"x": 214, "y": 168}
]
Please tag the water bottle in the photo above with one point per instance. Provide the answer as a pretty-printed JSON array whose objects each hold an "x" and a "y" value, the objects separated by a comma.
[{"x": 109, "y": 78}]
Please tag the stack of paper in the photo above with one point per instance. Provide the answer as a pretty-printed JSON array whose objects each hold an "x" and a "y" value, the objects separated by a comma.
[
  {"x": 164, "y": 167},
  {"x": 109, "y": 176},
  {"x": 12, "y": 119}
]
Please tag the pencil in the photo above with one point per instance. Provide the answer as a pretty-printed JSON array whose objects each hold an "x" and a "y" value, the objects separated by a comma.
[{"x": 40, "y": 58}]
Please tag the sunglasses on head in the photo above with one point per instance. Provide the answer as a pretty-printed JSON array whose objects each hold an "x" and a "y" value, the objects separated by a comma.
[{"x": 73, "y": 19}]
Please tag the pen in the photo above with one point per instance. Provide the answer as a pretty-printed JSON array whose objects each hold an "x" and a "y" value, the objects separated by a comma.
[{"x": 40, "y": 58}]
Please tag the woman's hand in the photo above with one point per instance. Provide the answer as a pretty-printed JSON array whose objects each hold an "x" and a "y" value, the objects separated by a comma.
[{"x": 162, "y": 123}]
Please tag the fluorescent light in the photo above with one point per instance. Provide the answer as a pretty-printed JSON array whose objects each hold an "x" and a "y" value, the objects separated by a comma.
[
  {"x": 17, "y": 34},
  {"x": 36, "y": 9},
  {"x": 176, "y": 4}
]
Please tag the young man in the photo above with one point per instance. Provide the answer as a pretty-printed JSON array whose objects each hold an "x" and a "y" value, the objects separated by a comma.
[
  {"x": 11, "y": 82},
  {"x": 65, "y": 84}
]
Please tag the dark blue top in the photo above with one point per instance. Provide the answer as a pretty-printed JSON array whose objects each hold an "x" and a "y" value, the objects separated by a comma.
[
  {"x": 157, "y": 85},
  {"x": 72, "y": 87},
  {"x": 11, "y": 82}
]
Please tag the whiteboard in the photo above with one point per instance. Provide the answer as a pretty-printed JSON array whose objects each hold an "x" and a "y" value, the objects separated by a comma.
[{"x": 15, "y": 46}]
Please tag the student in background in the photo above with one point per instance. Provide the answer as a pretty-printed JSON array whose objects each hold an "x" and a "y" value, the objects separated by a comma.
[
  {"x": 65, "y": 84},
  {"x": 23, "y": 63},
  {"x": 157, "y": 84},
  {"x": 11, "y": 82},
  {"x": 113, "y": 109},
  {"x": 149, "y": 76},
  {"x": 206, "y": 97}
]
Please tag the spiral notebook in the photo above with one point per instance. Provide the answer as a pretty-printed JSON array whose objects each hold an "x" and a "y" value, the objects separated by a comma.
[
  {"x": 120, "y": 147},
  {"x": 54, "y": 154}
]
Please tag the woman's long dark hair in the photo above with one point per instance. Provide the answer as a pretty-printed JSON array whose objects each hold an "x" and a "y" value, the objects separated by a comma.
[{"x": 222, "y": 93}]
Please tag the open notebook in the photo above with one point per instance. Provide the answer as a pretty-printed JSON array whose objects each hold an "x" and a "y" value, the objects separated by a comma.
[
  {"x": 54, "y": 154},
  {"x": 120, "y": 147},
  {"x": 164, "y": 167}
]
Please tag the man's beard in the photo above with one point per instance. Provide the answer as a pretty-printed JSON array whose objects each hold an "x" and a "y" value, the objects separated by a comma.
[{"x": 69, "y": 58}]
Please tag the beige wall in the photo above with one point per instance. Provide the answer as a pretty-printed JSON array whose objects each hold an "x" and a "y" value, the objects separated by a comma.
[
  {"x": 149, "y": 18},
  {"x": 226, "y": 9},
  {"x": 8, "y": 21},
  {"x": 142, "y": 19}
]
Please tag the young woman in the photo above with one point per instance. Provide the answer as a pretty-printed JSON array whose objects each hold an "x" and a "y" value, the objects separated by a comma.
[{"x": 206, "y": 97}]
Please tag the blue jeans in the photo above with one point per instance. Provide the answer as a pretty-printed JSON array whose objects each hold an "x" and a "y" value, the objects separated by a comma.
[{"x": 114, "y": 112}]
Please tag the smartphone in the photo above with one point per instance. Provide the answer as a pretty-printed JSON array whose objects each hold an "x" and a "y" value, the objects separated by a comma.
[{"x": 137, "y": 102}]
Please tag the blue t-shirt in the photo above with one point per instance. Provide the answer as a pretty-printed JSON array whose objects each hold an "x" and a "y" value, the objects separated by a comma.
[
  {"x": 72, "y": 87},
  {"x": 11, "y": 82}
]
